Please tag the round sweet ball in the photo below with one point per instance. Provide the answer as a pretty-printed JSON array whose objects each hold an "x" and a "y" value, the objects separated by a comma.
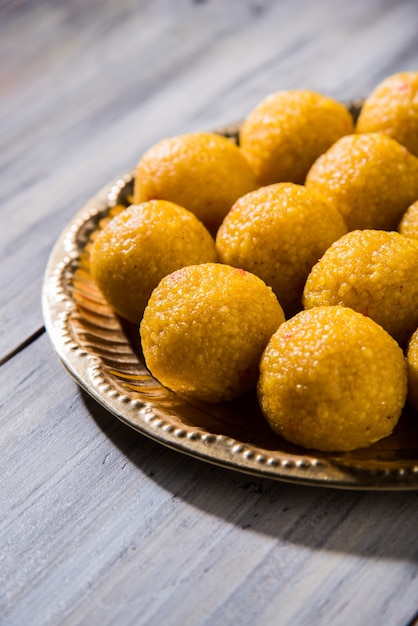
[
  {"x": 141, "y": 245},
  {"x": 205, "y": 328},
  {"x": 392, "y": 108},
  {"x": 408, "y": 225},
  {"x": 287, "y": 132},
  {"x": 333, "y": 380},
  {"x": 203, "y": 172},
  {"x": 412, "y": 363},
  {"x": 373, "y": 272},
  {"x": 370, "y": 178},
  {"x": 279, "y": 232}
]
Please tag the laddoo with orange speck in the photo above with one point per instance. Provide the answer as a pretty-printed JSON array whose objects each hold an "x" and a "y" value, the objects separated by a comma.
[
  {"x": 279, "y": 232},
  {"x": 412, "y": 364},
  {"x": 332, "y": 379},
  {"x": 370, "y": 178},
  {"x": 141, "y": 245},
  {"x": 205, "y": 328},
  {"x": 373, "y": 272},
  {"x": 392, "y": 108},
  {"x": 203, "y": 172},
  {"x": 408, "y": 225},
  {"x": 287, "y": 131}
]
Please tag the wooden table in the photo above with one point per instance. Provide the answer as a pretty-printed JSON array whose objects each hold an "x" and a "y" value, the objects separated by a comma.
[{"x": 99, "y": 524}]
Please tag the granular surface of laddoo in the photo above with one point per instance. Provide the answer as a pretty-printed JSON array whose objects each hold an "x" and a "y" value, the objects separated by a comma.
[
  {"x": 203, "y": 172},
  {"x": 370, "y": 178},
  {"x": 141, "y": 245},
  {"x": 374, "y": 272},
  {"x": 392, "y": 108},
  {"x": 333, "y": 380},
  {"x": 205, "y": 328},
  {"x": 279, "y": 232},
  {"x": 287, "y": 131},
  {"x": 412, "y": 363}
]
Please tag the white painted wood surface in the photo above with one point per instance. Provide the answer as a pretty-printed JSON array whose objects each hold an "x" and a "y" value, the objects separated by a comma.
[{"x": 98, "y": 524}]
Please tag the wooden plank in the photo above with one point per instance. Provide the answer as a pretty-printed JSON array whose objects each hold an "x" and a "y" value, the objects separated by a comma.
[
  {"x": 105, "y": 526},
  {"x": 87, "y": 87}
]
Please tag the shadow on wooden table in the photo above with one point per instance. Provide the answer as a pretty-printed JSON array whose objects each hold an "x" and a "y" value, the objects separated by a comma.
[{"x": 348, "y": 521}]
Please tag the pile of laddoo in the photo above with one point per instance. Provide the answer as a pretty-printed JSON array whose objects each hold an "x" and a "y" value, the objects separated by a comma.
[{"x": 286, "y": 263}]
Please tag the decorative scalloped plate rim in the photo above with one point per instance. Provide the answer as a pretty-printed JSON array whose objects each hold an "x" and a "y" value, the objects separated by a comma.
[{"x": 156, "y": 412}]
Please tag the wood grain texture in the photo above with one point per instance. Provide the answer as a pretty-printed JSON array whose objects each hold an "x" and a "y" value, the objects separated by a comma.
[{"x": 100, "y": 525}]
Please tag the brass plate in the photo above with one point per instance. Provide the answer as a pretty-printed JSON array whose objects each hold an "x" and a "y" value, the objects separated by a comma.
[{"x": 103, "y": 354}]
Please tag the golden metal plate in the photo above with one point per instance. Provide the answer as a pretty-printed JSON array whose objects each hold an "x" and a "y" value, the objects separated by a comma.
[{"x": 103, "y": 354}]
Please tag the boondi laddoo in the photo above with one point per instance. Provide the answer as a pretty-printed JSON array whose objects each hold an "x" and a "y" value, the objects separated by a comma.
[
  {"x": 374, "y": 272},
  {"x": 392, "y": 108},
  {"x": 205, "y": 328},
  {"x": 412, "y": 363},
  {"x": 408, "y": 225},
  {"x": 370, "y": 178},
  {"x": 287, "y": 131},
  {"x": 203, "y": 172},
  {"x": 333, "y": 380},
  {"x": 141, "y": 245},
  {"x": 279, "y": 232}
]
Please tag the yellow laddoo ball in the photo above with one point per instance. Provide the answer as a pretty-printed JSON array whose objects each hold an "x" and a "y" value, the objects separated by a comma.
[
  {"x": 392, "y": 108},
  {"x": 279, "y": 232},
  {"x": 141, "y": 245},
  {"x": 412, "y": 363},
  {"x": 203, "y": 172},
  {"x": 333, "y": 380},
  {"x": 287, "y": 132},
  {"x": 408, "y": 226},
  {"x": 374, "y": 272},
  {"x": 205, "y": 328},
  {"x": 371, "y": 179}
]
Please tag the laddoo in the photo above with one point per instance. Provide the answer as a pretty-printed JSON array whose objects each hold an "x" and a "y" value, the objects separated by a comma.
[
  {"x": 408, "y": 225},
  {"x": 141, "y": 245},
  {"x": 204, "y": 330},
  {"x": 412, "y": 364},
  {"x": 203, "y": 172},
  {"x": 332, "y": 379},
  {"x": 370, "y": 178},
  {"x": 375, "y": 273},
  {"x": 287, "y": 131},
  {"x": 278, "y": 232},
  {"x": 392, "y": 108}
]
